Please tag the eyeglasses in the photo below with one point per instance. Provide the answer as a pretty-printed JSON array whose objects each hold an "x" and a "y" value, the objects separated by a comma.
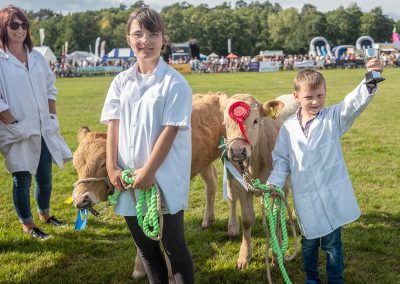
[
  {"x": 15, "y": 26},
  {"x": 152, "y": 37}
]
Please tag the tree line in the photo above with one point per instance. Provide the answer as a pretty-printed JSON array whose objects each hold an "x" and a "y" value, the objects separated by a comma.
[{"x": 251, "y": 27}]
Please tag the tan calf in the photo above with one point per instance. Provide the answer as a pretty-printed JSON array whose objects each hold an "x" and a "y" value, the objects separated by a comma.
[{"x": 253, "y": 148}]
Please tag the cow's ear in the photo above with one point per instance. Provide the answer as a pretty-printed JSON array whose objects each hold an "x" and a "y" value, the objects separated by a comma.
[
  {"x": 223, "y": 100},
  {"x": 271, "y": 108},
  {"x": 82, "y": 133}
]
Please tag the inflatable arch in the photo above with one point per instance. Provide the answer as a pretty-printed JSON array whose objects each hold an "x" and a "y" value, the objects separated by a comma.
[
  {"x": 364, "y": 42},
  {"x": 340, "y": 49},
  {"x": 320, "y": 46}
]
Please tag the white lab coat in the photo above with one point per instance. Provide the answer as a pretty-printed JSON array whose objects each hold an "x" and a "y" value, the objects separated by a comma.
[
  {"x": 144, "y": 104},
  {"x": 323, "y": 196},
  {"x": 25, "y": 93}
]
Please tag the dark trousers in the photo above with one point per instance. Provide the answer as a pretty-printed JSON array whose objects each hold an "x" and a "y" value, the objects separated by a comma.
[
  {"x": 332, "y": 245},
  {"x": 43, "y": 186},
  {"x": 173, "y": 240}
]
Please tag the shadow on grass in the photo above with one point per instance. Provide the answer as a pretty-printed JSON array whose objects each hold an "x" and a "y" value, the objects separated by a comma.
[{"x": 104, "y": 253}]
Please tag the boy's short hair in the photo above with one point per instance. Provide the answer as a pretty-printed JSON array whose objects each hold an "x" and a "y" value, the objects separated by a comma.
[{"x": 309, "y": 78}]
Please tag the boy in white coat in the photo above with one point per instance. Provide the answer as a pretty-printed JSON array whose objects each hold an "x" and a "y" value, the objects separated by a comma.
[{"x": 308, "y": 147}]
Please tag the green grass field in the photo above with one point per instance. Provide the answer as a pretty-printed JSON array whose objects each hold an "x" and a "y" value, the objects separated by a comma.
[{"x": 104, "y": 252}]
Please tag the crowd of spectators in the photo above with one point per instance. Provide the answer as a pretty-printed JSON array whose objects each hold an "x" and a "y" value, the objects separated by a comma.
[
  {"x": 74, "y": 68},
  {"x": 241, "y": 64},
  {"x": 289, "y": 62}
]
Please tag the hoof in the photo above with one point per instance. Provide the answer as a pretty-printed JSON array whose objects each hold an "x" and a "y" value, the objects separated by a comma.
[
  {"x": 207, "y": 223},
  {"x": 233, "y": 232},
  {"x": 242, "y": 264},
  {"x": 138, "y": 275}
]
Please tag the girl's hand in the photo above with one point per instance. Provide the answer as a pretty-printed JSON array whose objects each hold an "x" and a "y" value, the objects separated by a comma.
[
  {"x": 144, "y": 179},
  {"x": 374, "y": 65},
  {"x": 115, "y": 176}
]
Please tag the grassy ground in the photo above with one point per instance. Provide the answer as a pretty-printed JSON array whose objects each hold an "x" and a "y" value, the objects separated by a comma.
[{"x": 104, "y": 252}]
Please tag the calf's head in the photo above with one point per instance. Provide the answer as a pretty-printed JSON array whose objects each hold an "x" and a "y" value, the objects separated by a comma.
[
  {"x": 90, "y": 163},
  {"x": 243, "y": 118}
]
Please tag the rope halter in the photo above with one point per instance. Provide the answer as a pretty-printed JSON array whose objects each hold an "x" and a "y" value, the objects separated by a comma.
[{"x": 106, "y": 180}]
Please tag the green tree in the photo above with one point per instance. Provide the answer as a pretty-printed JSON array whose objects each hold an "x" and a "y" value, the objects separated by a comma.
[
  {"x": 285, "y": 31},
  {"x": 377, "y": 25},
  {"x": 343, "y": 24},
  {"x": 313, "y": 23},
  {"x": 252, "y": 26}
]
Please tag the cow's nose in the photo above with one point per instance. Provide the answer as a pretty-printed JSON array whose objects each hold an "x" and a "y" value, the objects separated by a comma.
[
  {"x": 239, "y": 154},
  {"x": 82, "y": 201}
]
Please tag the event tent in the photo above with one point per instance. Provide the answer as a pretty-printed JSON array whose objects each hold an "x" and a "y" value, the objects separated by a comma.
[
  {"x": 231, "y": 56},
  {"x": 81, "y": 55},
  {"x": 47, "y": 53},
  {"x": 213, "y": 55},
  {"x": 119, "y": 53}
]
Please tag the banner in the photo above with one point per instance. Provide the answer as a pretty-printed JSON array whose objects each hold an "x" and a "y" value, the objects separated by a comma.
[
  {"x": 269, "y": 66},
  {"x": 271, "y": 53},
  {"x": 96, "y": 48},
  {"x": 41, "y": 36},
  {"x": 303, "y": 64},
  {"x": 254, "y": 66},
  {"x": 182, "y": 68},
  {"x": 66, "y": 48},
  {"x": 93, "y": 70},
  {"x": 102, "y": 49},
  {"x": 395, "y": 35}
]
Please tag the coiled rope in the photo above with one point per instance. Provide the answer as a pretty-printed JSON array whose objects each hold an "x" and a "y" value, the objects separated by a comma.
[{"x": 152, "y": 221}]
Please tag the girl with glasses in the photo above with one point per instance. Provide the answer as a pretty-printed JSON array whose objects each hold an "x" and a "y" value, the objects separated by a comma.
[
  {"x": 147, "y": 111},
  {"x": 29, "y": 130}
]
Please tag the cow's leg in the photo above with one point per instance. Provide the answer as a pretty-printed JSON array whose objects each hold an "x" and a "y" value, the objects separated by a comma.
[
  {"x": 138, "y": 271},
  {"x": 248, "y": 216},
  {"x": 233, "y": 223},
  {"x": 210, "y": 176}
]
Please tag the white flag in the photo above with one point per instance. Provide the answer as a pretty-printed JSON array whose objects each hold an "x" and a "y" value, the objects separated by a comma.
[
  {"x": 102, "y": 48},
  {"x": 66, "y": 48},
  {"x": 41, "y": 36},
  {"x": 96, "y": 48}
]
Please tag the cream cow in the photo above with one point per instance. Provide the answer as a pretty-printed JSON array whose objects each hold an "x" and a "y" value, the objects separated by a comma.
[{"x": 252, "y": 145}]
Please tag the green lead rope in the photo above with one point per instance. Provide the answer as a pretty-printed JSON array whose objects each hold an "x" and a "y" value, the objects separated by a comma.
[
  {"x": 272, "y": 214},
  {"x": 148, "y": 222},
  {"x": 113, "y": 198}
]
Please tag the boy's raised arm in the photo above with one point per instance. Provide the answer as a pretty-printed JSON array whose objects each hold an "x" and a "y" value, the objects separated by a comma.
[{"x": 357, "y": 100}]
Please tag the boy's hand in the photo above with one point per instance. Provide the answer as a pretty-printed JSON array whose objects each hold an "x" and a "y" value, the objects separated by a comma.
[{"x": 374, "y": 65}]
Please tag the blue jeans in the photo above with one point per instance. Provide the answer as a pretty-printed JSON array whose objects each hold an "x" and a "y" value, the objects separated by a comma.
[
  {"x": 332, "y": 245},
  {"x": 22, "y": 183}
]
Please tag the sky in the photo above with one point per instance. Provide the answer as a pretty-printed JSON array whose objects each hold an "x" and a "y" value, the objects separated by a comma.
[{"x": 389, "y": 7}]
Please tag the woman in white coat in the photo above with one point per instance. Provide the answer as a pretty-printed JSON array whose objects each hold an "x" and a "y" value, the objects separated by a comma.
[{"x": 29, "y": 130}]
